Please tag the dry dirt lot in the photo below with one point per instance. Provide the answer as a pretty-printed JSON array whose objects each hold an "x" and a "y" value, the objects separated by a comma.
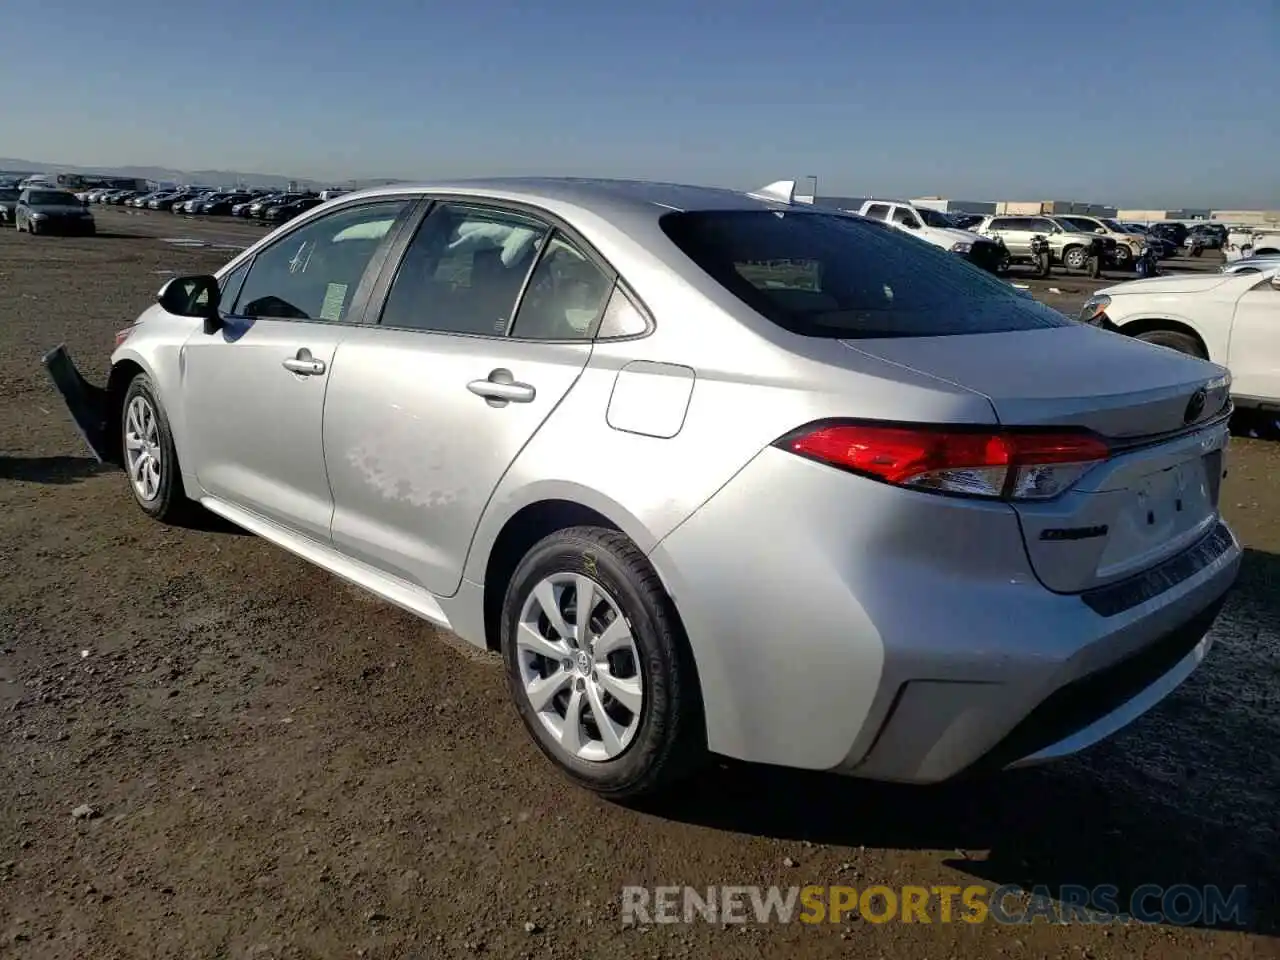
[{"x": 281, "y": 766}]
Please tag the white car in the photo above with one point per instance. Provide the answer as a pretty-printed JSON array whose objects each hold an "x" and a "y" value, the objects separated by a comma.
[
  {"x": 1229, "y": 318},
  {"x": 935, "y": 228},
  {"x": 1262, "y": 242}
]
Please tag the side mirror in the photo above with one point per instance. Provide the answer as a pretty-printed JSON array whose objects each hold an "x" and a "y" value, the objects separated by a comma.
[
  {"x": 1100, "y": 230},
  {"x": 195, "y": 296}
]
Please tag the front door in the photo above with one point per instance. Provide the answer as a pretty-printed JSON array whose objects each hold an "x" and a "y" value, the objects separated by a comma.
[
  {"x": 254, "y": 392},
  {"x": 427, "y": 410}
]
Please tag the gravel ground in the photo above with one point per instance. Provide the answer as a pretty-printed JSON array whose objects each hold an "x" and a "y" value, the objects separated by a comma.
[{"x": 212, "y": 749}]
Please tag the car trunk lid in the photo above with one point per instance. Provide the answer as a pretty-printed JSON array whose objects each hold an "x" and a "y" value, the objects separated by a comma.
[{"x": 1158, "y": 492}]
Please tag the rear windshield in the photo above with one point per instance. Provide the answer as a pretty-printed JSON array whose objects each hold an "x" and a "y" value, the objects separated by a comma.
[{"x": 826, "y": 275}]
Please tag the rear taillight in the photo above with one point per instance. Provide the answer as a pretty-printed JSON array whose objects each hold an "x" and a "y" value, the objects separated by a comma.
[
  {"x": 123, "y": 335},
  {"x": 1006, "y": 464}
]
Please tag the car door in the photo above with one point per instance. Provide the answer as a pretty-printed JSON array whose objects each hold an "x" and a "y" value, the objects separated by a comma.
[
  {"x": 905, "y": 218},
  {"x": 253, "y": 393},
  {"x": 1254, "y": 352},
  {"x": 1016, "y": 234},
  {"x": 486, "y": 325}
]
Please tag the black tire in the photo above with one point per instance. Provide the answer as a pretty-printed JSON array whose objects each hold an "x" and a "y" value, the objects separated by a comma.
[
  {"x": 1094, "y": 266},
  {"x": 170, "y": 504},
  {"x": 1183, "y": 343},
  {"x": 1124, "y": 257},
  {"x": 31, "y": 228},
  {"x": 670, "y": 741},
  {"x": 1075, "y": 254},
  {"x": 1044, "y": 265}
]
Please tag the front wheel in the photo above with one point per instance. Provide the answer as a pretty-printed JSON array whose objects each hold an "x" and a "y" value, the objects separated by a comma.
[
  {"x": 1044, "y": 264},
  {"x": 32, "y": 228},
  {"x": 1174, "y": 340},
  {"x": 149, "y": 457},
  {"x": 598, "y": 666},
  {"x": 1075, "y": 258}
]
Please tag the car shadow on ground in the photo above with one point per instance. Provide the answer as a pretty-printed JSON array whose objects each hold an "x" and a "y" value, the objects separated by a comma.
[
  {"x": 1100, "y": 819},
  {"x": 51, "y": 470}
]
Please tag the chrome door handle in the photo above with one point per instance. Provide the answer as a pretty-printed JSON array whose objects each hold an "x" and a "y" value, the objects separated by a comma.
[
  {"x": 303, "y": 364},
  {"x": 501, "y": 388}
]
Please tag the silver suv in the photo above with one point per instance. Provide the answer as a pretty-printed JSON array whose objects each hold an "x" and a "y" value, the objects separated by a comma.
[{"x": 1071, "y": 249}]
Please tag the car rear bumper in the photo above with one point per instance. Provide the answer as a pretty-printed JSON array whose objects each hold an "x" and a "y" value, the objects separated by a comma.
[
  {"x": 838, "y": 623},
  {"x": 88, "y": 404}
]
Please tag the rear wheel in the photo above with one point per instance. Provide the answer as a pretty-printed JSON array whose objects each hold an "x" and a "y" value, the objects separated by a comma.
[
  {"x": 32, "y": 228},
  {"x": 598, "y": 666},
  {"x": 1183, "y": 343}
]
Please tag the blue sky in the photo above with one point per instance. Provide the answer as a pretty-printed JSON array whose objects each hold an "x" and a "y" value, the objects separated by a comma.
[{"x": 1162, "y": 103}]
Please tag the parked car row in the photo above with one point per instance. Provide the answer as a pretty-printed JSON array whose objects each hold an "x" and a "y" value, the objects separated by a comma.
[{"x": 258, "y": 204}]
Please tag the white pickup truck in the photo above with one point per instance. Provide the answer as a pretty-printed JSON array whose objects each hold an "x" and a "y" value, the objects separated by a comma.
[{"x": 934, "y": 227}]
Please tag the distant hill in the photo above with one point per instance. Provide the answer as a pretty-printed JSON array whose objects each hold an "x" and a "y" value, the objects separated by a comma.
[{"x": 168, "y": 174}]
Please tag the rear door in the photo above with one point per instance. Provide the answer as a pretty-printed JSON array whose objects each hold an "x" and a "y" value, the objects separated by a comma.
[
  {"x": 1016, "y": 233},
  {"x": 487, "y": 324},
  {"x": 253, "y": 393}
]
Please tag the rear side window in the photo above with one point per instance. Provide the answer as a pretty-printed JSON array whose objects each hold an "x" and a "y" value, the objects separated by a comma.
[
  {"x": 879, "y": 211},
  {"x": 825, "y": 275}
]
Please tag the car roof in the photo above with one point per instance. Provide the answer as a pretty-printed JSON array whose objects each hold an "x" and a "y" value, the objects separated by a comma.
[{"x": 610, "y": 199}]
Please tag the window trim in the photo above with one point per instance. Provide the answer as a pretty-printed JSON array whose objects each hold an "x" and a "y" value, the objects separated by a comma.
[
  {"x": 382, "y": 287},
  {"x": 358, "y": 312}
]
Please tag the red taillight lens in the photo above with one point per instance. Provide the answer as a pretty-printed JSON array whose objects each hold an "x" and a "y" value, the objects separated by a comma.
[
  {"x": 1020, "y": 465},
  {"x": 123, "y": 335}
]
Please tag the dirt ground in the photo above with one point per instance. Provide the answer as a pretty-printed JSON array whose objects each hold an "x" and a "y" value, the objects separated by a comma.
[{"x": 279, "y": 765}]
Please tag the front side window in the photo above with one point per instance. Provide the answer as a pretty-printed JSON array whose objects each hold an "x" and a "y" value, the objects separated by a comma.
[
  {"x": 463, "y": 270},
  {"x": 905, "y": 217},
  {"x": 1044, "y": 226},
  {"x": 313, "y": 272},
  {"x": 878, "y": 211},
  {"x": 823, "y": 275}
]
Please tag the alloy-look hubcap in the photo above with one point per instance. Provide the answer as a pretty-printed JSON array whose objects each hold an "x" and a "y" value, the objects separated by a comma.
[
  {"x": 580, "y": 667},
  {"x": 142, "y": 448}
]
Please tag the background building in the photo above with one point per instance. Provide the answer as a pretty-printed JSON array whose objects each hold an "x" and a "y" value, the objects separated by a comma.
[
  {"x": 1026, "y": 208},
  {"x": 1259, "y": 217},
  {"x": 947, "y": 205}
]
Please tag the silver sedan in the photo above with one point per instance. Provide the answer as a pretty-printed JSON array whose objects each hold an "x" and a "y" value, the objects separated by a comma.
[{"x": 715, "y": 472}]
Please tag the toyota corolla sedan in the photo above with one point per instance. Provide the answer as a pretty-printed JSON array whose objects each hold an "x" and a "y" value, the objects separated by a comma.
[{"x": 715, "y": 472}]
